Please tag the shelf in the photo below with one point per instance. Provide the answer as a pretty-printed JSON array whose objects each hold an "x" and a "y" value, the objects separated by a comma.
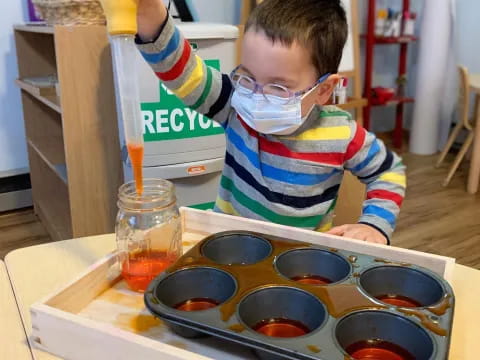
[
  {"x": 73, "y": 144},
  {"x": 40, "y": 28},
  {"x": 51, "y": 101},
  {"x": 43, "y": 127},
  {"x": 353, "y": 103},
  {"x": 51, "y": 198},
  {"x": 59, "y": 168},
  {"x": 396, "y": 100},
  {"x": 392, "y": 39}
]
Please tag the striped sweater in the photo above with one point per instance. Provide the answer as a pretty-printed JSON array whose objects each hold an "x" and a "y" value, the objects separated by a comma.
[{"x": 291, "y": 180}]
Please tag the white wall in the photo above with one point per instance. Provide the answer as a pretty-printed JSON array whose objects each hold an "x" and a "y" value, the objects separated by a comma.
[
  {"x": 215, "y": 11},
  {"x": 468, "y": 30},
  {"x": 218, "y": 11},
  {"x": 13, "y": 152}
]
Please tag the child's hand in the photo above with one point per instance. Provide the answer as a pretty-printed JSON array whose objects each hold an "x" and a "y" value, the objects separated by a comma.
[
  {"x": 360, "y": 232},
  {"x": 151, "y": 15}
]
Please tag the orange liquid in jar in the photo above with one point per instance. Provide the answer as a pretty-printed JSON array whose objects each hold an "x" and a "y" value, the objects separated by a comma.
[
  {"x": 279, "y": 327},
  {"x": 142, "y": 267},
  {"x": 135, "y": 152},
  {"x": 378, "y": 350}
]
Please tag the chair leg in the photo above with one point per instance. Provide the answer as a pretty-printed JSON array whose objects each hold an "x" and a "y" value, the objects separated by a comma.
[
  {"x": 459, "y": 158},
  {"x": 468, "y": 155},
  {"x": 451, "y": 140}
]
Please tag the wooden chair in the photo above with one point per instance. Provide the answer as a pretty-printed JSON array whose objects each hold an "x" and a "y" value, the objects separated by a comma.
[
  {"x": 463, "y": 123},
  {"x": 350, "y": 200}
]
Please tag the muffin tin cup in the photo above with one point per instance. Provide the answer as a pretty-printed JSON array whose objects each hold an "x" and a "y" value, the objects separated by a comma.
[
  {"x": 415, "y": 286},
  {"x": 281, "y": 302},
  {"x": 313, "y": 263},
  {"x": 285, "y": 303},
  {"x": 236, "y": 248},
  {"x": 381, "y": 325},
  {"x": 194, "y": 283},
  {"x": 250, "y": 276}
]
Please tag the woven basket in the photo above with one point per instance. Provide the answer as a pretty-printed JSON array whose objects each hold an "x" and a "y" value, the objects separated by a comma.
[{"x": 70, "y": 12}]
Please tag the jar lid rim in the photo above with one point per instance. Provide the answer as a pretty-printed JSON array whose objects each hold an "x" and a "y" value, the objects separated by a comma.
[{"x": 153, "y": 190}]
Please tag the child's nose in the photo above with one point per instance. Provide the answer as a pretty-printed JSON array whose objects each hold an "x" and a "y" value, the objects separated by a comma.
[{"x": 258, "y": 89}]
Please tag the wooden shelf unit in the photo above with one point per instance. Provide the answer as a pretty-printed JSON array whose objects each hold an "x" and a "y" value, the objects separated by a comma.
[{"x": 72, "y": 140}]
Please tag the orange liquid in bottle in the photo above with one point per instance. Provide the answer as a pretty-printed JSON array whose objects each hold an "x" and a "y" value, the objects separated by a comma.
[
  {"x": 135, "y": 152},
  {"x": 144, "y": 266}
]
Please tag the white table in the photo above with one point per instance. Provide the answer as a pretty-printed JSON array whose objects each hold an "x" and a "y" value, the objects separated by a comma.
[
  {"x": 13, "y": 340},
  {"x": 37, "y": 271}
]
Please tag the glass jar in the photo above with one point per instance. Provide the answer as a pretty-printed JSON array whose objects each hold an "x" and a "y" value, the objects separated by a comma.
[{"x": 148, "y": 231}]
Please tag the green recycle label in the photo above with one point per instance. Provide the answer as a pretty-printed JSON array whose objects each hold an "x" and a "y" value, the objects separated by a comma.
[{"x": 170, "y": 119}]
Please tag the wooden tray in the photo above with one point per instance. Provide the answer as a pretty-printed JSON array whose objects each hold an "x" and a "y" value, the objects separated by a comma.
[{"x": 95, "y": 316}]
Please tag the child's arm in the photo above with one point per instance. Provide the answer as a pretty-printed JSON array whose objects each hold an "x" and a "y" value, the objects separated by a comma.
[
  {"x": 384, "y": 174},
  {"x": 199, "y": 86}
]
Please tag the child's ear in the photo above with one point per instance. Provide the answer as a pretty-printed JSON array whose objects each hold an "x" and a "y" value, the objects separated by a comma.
[{"x": 325, "y": 89}]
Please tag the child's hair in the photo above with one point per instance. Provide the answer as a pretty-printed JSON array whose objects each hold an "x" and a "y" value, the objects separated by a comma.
[{"x": 318, "y": 25}]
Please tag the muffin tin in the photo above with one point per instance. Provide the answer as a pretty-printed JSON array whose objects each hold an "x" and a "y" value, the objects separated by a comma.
[{"x": 292, "y": 300}]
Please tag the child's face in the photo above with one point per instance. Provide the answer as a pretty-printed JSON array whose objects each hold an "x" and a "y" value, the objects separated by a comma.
[{"x": 268, "y": 62}]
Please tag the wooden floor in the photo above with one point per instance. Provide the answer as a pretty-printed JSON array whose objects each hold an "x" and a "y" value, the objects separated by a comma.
[
  {"x": 434, "y": 219},
  {"x": 444, "y": 221},
  {"x": 19, "y": 229}
]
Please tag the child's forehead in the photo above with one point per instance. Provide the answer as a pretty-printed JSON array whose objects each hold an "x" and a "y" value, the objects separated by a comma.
[
  {"x": 262, "y": 57},
  {"x": 271, "y": 76}
]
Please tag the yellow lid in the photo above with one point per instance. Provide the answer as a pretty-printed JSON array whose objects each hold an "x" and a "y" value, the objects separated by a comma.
[
  {"x": 121, "y": 16},
  {"x": 382, "y": 13}
]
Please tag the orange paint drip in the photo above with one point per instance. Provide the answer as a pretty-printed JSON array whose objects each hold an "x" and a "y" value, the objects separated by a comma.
[{"x": 135, "y": 152}]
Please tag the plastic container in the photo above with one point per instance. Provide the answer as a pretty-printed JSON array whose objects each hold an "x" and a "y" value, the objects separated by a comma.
[
  {"x": 380, "y": 22},
  {"x": 409, "y": 23},
  {"x": 291, "y": 300},
  {"x": 148, "y": 231}
]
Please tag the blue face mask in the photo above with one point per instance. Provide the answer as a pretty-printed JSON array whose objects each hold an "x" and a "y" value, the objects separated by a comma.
[
  {"x": 270, "y": 114},
  {"x": 269, "y": 117}
]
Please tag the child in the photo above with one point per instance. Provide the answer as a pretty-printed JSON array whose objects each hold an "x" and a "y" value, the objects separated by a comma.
[{"x": 286, "y": 153}]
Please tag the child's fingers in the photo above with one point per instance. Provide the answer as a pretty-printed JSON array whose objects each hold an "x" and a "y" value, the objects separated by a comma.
[
  {"x": 356, "y": 234},
  {"x": 338, "y": 230}
]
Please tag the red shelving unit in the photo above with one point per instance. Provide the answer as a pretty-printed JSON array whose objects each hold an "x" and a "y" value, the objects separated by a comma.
[
  {"x": 396, "y": 100},
  {"x": 392, "y": 39},
  {"x": 400, "y": 99}
]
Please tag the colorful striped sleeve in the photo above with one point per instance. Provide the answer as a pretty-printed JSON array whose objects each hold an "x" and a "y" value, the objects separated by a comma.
[
  {"x": 383, "y": 173},
  {"x": 200, "y": 87}
]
